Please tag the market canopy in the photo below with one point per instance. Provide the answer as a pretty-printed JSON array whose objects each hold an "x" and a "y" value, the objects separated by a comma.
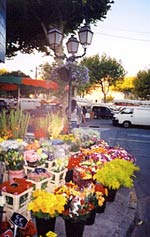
[{"x": 11, "y": 83}]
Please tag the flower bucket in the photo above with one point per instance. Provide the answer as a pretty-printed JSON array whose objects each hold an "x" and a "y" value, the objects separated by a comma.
[
  {"x": 69, "y": 176},
  {"x": 91, "y": 218},
  {"x": 102, "y": 208},
  {"x": 74, "y": 228},
  {"x": 111, "y": 195},
  {"x": 44, "y": 225},
  {"x": 15, "y": 174}
]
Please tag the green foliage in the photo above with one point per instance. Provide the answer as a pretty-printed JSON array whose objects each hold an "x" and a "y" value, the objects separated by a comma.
[
  {"x": 126, "y": 85},
  {"x": 116, "y": 173},
  {"x": 14, "y": 159},
  {"x": 15, "y": 73},
  {"x": 105, "y": 71},
  {"x": 16, "y": 122},
  {"x": 32, "y": 20},
  {"x": 142, "y": 84}
]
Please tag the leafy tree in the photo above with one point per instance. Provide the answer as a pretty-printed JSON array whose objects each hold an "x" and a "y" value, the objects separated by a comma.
[
  {"x": 3, "y": 71},
  {"x": 142, "y": 84},
  {"x": 105, "y": 71},
  {"x": 15, "y": 73},
  {"x": 29, "y": 20},
  {"x": 45, "y": 70},
  {"x": 84, "y": 89},
  {"x": 126, "y": 86}
]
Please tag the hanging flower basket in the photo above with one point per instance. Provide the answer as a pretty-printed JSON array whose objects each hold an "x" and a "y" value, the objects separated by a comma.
[{"x": 78, "y": 74}]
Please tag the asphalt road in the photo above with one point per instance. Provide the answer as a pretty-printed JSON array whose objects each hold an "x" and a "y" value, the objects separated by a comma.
[{"x": 137, "y": 142}]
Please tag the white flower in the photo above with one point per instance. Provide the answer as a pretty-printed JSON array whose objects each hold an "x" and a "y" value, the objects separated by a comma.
[
  {"x": 85, "y": 134},
  {"x": 12, "y": 144}
]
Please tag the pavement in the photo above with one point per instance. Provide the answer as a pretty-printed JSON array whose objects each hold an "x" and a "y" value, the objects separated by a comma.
[{"x": 117, "y": 220}]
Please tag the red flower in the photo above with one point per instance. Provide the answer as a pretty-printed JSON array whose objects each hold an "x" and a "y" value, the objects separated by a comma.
[
  {"x": 30, "y": 229},
  {"x": 19, "y": 186},
  {"x": 75, "y": 161},
  {"x": 100, "y": 188},
  {"x": 4, "y": 226}
]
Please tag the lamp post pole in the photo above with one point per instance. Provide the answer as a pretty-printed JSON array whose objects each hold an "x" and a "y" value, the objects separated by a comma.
[
  {"x": 55, "y": 39},
  {"x": 69, "y": 98}
]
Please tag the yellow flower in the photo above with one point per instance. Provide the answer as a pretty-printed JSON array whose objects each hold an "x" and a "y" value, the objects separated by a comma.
[
  {"x": 47, "y": 203},
  {"x": 51, "y": 234}
]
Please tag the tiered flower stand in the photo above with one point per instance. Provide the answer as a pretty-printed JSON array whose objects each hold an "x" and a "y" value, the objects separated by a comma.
[
  {"x": 49, "y": 164},
  {"x": 43, "y": 184},
  {"x": 29, "y": 169},
  {"x": 58, "y": 179},
  {"x": 17, "y": 203}
]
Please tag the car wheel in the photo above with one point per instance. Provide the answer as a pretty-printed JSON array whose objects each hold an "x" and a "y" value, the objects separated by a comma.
[{"x": 126, "y": 124}]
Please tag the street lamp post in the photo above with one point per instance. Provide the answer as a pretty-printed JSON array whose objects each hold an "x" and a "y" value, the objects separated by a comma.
[{"x": 55, "y": 39}]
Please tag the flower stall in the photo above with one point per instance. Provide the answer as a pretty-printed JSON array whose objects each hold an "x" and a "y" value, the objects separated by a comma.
[{"x": 68, "y": 175}]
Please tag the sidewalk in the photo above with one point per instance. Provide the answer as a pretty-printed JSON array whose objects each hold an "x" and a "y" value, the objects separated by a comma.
[{"x": 117, "y": 220}]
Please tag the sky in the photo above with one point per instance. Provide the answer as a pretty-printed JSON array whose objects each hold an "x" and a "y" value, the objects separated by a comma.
[{"x": 123, "y": 35}]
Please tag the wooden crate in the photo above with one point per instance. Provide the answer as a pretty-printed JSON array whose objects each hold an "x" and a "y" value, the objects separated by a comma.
[
  {"x": 58, "y": 179},
  {"x": 43, "y": 184},
  {"x": 49, "y": 164},
  {"x": 29, "y": 169},
  {"x": 17, "y": 203}
]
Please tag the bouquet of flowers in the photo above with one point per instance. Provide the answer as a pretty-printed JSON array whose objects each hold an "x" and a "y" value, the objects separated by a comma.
[
  {"x": 13, "y": 159},
  {"x": 46, "y": 205},
  {"x": 87, "y": 137},
  {"x": 116, "y": 173},
  {"x": 80, "y": 202},
  {"x": 19, "y": 144},
  {"x": 19, "y": 186},
  {"x": 35, "y": 157}
]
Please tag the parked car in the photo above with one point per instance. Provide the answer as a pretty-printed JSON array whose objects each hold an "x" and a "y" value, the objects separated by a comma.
[
  {"x": 101, "y": 112},
  {"x": 132, "y": 116}
]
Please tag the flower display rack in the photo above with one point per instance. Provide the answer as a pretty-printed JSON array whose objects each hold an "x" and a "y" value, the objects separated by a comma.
[
  {"x": 29, "y": 169},
  {"x": 49, "y": 164},
  {"x": 42, "y": 184},
  {"x": 17, "y": 203},
  {"x": 57, "y": 179}
]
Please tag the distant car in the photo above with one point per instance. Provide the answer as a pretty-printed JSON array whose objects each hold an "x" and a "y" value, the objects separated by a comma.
[
  {"x": 102, "y": 112},
  {"x": 3, "y": 105}
]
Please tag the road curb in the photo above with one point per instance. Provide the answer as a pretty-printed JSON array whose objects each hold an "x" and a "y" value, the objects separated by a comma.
[{"x": 127, "y": 225}]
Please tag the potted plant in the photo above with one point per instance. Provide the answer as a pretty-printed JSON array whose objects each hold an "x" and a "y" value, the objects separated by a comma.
[
  {"x": 14, "y": 162},
  {"x": 46, "y": 207},
  {"x": 116, "y": 173}
]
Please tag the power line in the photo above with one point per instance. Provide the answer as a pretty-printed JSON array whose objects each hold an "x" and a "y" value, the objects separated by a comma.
[
  {"x": 124, "y": 37},
  {"x": 129, "y": 31}
]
